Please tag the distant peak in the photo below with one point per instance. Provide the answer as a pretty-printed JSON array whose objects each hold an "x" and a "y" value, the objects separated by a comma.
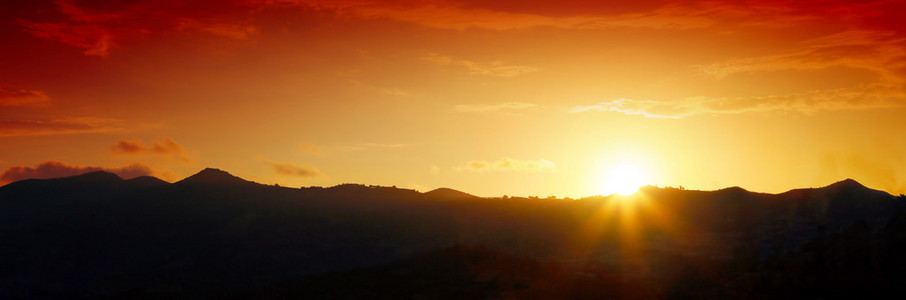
[
  {"x": 213, "y": 172},
  {"x": 98, "y": 176},
  {"x": 448, "y": 193},
  {"x": 734, "y": 189},
  {"x": 848, "y": 183},
  {"x": 146, "y": 181},
  {"x": 212, "y": 175}
]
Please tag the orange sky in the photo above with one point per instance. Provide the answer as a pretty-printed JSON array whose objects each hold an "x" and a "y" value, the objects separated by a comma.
[{"x": 489, "y": 97}]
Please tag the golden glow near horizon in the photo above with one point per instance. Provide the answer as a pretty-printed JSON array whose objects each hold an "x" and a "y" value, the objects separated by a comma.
[
  {"x": 488, "y": 97},
  {"x": 624, "y": 179}
]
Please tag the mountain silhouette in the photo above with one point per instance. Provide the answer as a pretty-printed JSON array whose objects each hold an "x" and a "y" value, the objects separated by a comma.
[
  {"x": 211, "y": 176},
  {"x": 848, "y": 183},
  {"x": 96, "y": 177},
  {"x": 146, "y": 181},
  {"x": 215, "y": 235},
  {"x": 448, "y": 193},
  {"x": 86, "y": 180}
]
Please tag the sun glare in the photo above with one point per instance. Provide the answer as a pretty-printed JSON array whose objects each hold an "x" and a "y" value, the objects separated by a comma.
[{"x": 624, "y": 179}]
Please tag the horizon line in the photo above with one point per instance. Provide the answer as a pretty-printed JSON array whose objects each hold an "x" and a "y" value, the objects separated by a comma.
[{"x": 647, "y": 186}]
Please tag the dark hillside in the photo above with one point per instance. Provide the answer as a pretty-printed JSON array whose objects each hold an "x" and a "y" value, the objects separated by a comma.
[{"x": 213, "y": 234}]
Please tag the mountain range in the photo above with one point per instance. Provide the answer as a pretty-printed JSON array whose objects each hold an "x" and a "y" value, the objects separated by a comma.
[{"x": 215, "y": 235}]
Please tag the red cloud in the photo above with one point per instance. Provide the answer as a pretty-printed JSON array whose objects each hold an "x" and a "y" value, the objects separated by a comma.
[
  {"x": 292, "y": 170},
  {"x": 98, "y": 26},
  {"x": 54, "y": 169},
  {"x": 163, "y": 146},
  {"x": 166, "y": 145},
  {"x": 22, "y": 97},
  {"x": 95, "y": 40},
  {"x": 10, "y": 128},
  {"x": 295, "y": 171},
  {"x": 134, "y": 146}
]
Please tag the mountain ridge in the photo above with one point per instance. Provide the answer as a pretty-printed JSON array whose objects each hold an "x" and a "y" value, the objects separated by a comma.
[
  {"x": 208, "y": 176},
  {"x": 212, "y": 176},
  {"x": 448, "y": 193},
  {"x": 235, "y": 234}
]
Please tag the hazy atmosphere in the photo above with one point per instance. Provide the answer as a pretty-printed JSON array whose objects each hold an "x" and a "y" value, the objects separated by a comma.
[
  {"x": 452, "y": 149},
  {"x": 488, "y": 97}
]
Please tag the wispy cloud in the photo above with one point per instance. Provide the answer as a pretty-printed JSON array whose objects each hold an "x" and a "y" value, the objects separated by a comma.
[
  {"x": 858, "y": 98},
  {"x": 98, "y": 29},
  {"x": 508, "y": 106},
  {"x": 292, "y": 170},
  {"x": 95, "y": 40},
  {"x": 134, "y": 146},
  {"x": 391, "y": 91},
  {"x": 883, "y": 52},
  {"x": 27, "y": 102},
  {"x": 72, "y": 125},
  {"x": 646, "y": 108},
  {"x": 381, "y": 145},
  {"x": 459, "y": 15},
  {"x": 507, "y": 164},
  {"x": 310, "y": 148},
  {"x": 22, "y": 97},
  {"x": 364, "y": 146},
  {"x": 495, "y": 68},
  {"x": 669, "y": 17},
  {"x": 163, "y": 146},
  {"x": 225, "y": 30},
  {"x": 395, "y": 92}
]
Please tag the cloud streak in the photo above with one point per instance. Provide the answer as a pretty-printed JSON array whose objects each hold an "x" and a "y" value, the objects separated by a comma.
[
  {"x": 291, "y": 170},
  {"x": 163, "y": 146},
  {"x": 883, "y": 52},
  {"x": 363, "y": 146},
  {"x": 495, "y": 68},
  {"x": 16, "y": 101},
  {"x": 508, "y": 106},
  {"x": 857, "y": 98},
  {"x": 74, "y": 125},
  {"x": 225, "y": 30},
  {"x": 95, "y": 40},
  {"x": 507, "y": 164},
  {"x": 310, "y": 148},
  {"x": 462, "y": 15},
  {"x": 22, "y": 97},
  {"x": 98, "y": 29}
]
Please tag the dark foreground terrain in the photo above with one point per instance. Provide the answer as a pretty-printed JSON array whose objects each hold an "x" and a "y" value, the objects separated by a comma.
[{"x": 214, "y": 235}]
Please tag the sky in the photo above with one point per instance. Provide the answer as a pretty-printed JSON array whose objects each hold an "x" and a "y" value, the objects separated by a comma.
[{"x": 488, "y": 97}]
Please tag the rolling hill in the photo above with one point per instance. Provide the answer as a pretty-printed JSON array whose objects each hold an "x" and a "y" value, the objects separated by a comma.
[{"x": 215, "y": 235}]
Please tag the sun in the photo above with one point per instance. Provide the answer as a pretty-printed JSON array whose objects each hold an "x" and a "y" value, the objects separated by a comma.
[{"x": 624, "y": 179}]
